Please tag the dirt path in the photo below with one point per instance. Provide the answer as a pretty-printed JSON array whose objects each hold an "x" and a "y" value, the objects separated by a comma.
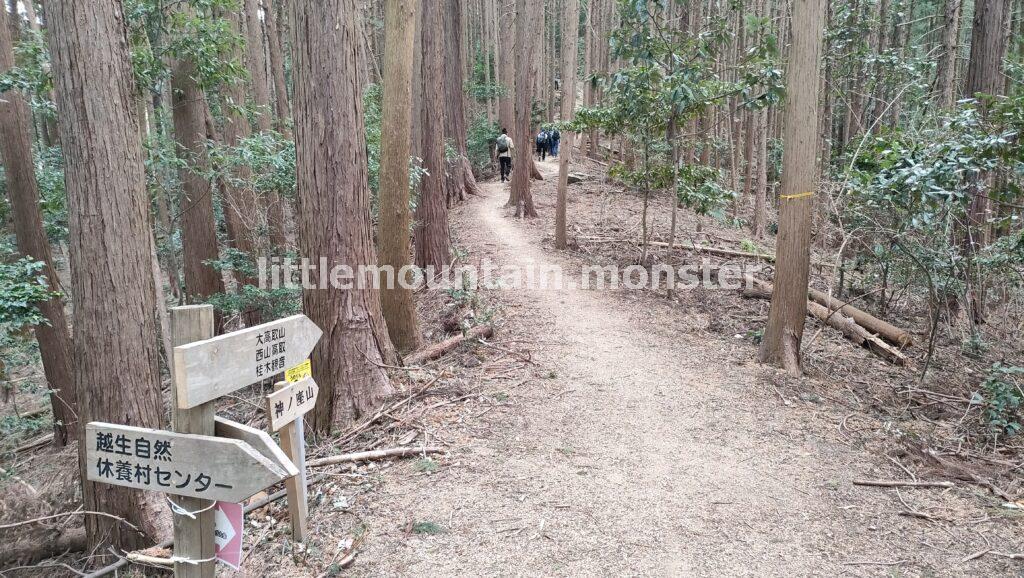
[{"x": 637, "y": 450}]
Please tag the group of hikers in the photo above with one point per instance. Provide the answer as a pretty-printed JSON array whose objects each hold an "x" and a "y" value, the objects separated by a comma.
[{"x": 547, "y": 140}]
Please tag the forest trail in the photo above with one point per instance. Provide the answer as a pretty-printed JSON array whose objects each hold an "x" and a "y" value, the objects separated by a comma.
[{"x": 638, "y": 449}]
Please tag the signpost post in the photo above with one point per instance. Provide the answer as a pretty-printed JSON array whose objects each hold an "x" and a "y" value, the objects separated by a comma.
[
  {"x": 193, "y": 535},
  {"x": 285, "y": 408}
]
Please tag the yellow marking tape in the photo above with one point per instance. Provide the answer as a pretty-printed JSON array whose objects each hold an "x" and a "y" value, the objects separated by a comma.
[{"x": 797, "y": 196}]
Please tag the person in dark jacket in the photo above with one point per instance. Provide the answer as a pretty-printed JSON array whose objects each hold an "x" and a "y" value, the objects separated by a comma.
[{"x": 556, "y": 139}]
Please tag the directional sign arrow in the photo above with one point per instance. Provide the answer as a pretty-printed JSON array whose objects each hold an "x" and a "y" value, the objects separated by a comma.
[
  {"x": 181, "y": 464},
  {"x": 258, "y": 439},
  {"x": 206, "y": 370},
  {"x": 291, "y": 401}
]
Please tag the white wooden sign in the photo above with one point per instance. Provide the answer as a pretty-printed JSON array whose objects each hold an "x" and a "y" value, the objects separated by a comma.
[
  {"x": 196, "y": 466},
  {"x": 258, "y": 439},
  {"x": 291, "y": 402},
  {"x": 206, "y": 370}
]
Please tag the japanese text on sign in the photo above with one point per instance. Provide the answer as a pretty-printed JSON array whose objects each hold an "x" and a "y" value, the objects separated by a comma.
[{"x": 181, "y": 464}]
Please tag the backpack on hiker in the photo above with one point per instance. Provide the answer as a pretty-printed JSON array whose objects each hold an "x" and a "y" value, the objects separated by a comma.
[{"x": 502, "y": 144}]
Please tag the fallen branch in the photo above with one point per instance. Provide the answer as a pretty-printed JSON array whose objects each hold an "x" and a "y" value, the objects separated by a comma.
[
  {"x": 75, "y": 513},
  {"x": 372, "y": 455},
  {"x": 846, "y": 325},
  {"x": 767, "y": 257},
  {"x": 136, "y": 558},
  {"x": 437, "y": 350},
  {"x": 34, "y": 443},
  {"x": 903, "y": 484},
  {"x": 873, "y": 324}
]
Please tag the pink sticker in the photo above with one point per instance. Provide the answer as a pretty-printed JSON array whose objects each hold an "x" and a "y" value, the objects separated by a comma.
[{"x": 227, "y": 533}]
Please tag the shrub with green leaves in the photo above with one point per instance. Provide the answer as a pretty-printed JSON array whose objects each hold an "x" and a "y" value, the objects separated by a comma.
[
  {"x": 1003, "y": 397},
  {"x": 23, "y": 286}
]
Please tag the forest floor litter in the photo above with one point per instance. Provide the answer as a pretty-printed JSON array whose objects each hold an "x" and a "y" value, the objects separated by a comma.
[{"x": 620, "y": 432}]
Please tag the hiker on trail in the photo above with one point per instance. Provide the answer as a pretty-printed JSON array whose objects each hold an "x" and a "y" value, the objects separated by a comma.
[
  {"x": 542, "y": 144},
  {"x": 503, "y": 148},
  {"x": 555, "y": 139}
]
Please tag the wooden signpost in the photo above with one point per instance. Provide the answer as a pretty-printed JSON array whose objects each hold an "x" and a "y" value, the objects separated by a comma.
[
  {"x": 205, "y": 458},
  {"x": 258, "y": 439},
  {"x": 195, "y": 466},
  {"x": 206, "y": 370},
  {"x": 291, "y": 400}
]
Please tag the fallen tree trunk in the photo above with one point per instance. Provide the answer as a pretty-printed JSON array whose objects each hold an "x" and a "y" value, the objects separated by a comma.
[
  {"x": 31, "y": 551},
  {"x": 836, "y": 320},
  {"x": 730, "y": 253},
  {"x": 885, "y": 329},
  {"x": 432, "y": 352},
  {"x": 372, "y": 455}
]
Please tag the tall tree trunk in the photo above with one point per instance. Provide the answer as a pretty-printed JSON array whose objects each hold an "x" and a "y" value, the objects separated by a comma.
[
  {"x": 433, "y": 241},
  {"x": 114, "y": 341},
  {"x": 256, "y": 62},
  {"x": 587, "y": 147},
  {"x": 485, "y": 50},
  {"x": 761, "y": 178},
  {"x": 945, "y": 82},
  {"x": 281, "y": 108},
  {"x": 984, "y": 76},
  {"x": 334, "y": 212},
  {"x": 393, "y": 230},
  {"x": 198, "y": 226},
  {"x": 460, "y": 169},
  {"x": 241, "y": 203},
  {"x": 526, "y": 21},
  {"x": 506, "y": 66},
  {"x": 23, "y": 193},
  {"x": 570, "y": 58},
  {"x": 782, "y": 337}
]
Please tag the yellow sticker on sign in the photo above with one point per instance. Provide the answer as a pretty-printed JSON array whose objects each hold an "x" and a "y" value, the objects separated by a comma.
[{"x": 299, "y": 372}]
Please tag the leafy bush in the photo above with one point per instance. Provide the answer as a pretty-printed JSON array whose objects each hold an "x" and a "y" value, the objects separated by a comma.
[
  {"x": 481, "y": 137},
  {"x": 1003, "y": 397},
  {"x": 699, "y": 188},
  {"x": 270, "y": 303},
  {"x": 22, "y": 287}
]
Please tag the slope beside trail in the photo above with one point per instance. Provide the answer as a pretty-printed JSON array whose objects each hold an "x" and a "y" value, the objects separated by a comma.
[{"x": 636, "y": 449}]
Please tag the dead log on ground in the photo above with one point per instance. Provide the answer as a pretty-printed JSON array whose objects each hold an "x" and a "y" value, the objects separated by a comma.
[
  {"x": 372, "y": 455},
  {"x": 890, "y": 332},
  {"x": 33, "y": 550},
  {"x": 846, "y": 325},
  {"x": 436, "y": 350},
  {"x": 535, "y": 172},
  {"x": 884, "y": 329},
  {"x": 729, "y": 253}
]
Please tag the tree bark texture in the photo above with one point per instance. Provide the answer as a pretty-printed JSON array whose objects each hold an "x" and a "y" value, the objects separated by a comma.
[
  {"x": 396, "y": 301},
  {"x": 569, "y": 57},
  {"x": 115, "y": 343},
  {"x": 22, "y": 191},
  {"x": 527, "y": 12},
  {"x": 433, "y": 240},
  {"x": 782, "y": 337},
  {"x": 334, "y": 211},
  {"x": 198, "y": 225}
]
